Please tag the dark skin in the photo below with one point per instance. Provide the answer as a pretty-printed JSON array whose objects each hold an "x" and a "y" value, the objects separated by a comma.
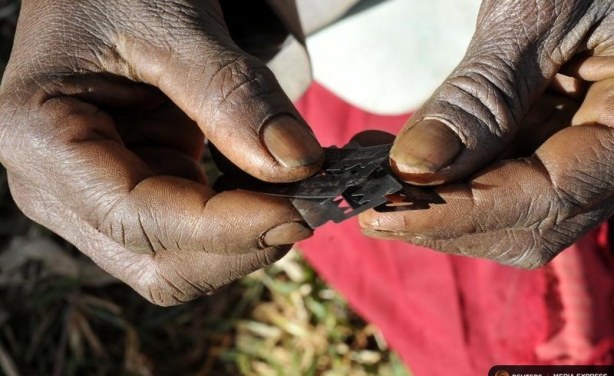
[
  {"x": 99, "y": 96},
  {"x": 106, "y": 106},
  {"x": 525, "y": 122}
]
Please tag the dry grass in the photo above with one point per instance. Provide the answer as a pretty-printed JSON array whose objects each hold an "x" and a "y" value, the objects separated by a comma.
[{"x": 61, "y": 315}]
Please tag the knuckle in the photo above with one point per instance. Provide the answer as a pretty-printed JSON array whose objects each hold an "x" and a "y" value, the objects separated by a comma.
[
  {"x": 486, "y": 91},
  {"x": 156, "y": 294},
  {"x": 238, "y": 79},
  {"x": 520, "y": 248},
  {"x": 125, "y": 224},
  {"x": 570, "y": 200},
  {"x": 578, "y": 191}
]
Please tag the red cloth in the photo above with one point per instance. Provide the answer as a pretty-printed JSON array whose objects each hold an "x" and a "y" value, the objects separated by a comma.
[{"x": 445, "y": 313}]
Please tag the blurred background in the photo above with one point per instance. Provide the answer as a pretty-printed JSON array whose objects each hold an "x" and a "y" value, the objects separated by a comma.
[{"x": 61, "y": 315}]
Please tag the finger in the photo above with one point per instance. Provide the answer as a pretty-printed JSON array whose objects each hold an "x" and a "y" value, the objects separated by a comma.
[
  {"x": 372, "y": 138},
  {"x": 168, "y": 141},
  {"x": 166, "y": 278},
  {"x": 598, "y": 105},
  {"x": 113, "y": 190},
  {"x": 166, "y": 126},
  {"x": 549, "y": 114},
  {"x": 521, "y": 212},
  {"x": 233, "y": 97},
  {"x": 515, "y": 52},
  {"x": 590, "y": 68}
]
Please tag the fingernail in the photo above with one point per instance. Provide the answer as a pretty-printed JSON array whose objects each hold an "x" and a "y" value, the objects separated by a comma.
[
  {"x": 427, "y": 147},
  {"x": 288, "y": 233},
  {"x": 290, "y": 142}
]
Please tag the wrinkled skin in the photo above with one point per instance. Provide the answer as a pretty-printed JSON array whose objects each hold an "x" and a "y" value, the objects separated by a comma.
[
  {"x": 105, "y": 106},
  {"x": 525, "y": 122}
]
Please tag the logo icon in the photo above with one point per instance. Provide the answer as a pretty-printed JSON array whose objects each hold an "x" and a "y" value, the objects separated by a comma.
[{"x": 502, "y": 372}]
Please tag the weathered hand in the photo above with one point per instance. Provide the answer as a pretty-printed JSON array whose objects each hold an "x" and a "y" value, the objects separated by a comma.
[
  {"x": 533, "y": 149},
  {"x": 105, "y": 106}
]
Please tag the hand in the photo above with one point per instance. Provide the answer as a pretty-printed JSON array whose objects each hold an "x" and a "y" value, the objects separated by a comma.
[
  {"x": 105, "y": 107},
  {"x": 533, "y": 149}
]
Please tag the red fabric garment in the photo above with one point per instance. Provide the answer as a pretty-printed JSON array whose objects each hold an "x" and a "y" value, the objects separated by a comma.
[{"x": 443, "y": 312}]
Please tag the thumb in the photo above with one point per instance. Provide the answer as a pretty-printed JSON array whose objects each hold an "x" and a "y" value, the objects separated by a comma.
[
  {"x": 235, "y": 99},
  {"x": 472, "y": 117}
]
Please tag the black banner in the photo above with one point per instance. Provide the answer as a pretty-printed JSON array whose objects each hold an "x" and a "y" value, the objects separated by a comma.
[{"x": 552, "y": 371}]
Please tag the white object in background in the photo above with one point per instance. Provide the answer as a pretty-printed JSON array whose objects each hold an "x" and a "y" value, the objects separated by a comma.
[
  {"x": 315, "y": 14},
  {"x": 389, "y": 58}
]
